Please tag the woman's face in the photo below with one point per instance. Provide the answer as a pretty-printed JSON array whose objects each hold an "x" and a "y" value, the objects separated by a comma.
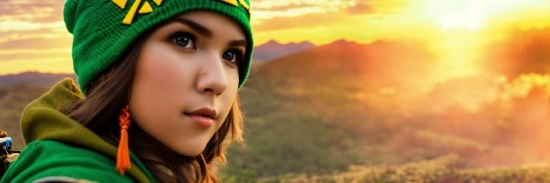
[{"x": 187, "y": 79}]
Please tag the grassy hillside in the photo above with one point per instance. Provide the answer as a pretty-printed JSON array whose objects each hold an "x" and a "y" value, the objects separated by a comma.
[
  {"x": 13, "y": 99},
  {"x": 312, "y": 113},
  {"x": 446, "y": 169}
]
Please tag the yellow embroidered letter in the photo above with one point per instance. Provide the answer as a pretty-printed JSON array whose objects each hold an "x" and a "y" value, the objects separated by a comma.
[
  {"x": 146, "y": 8},
  {"x": 237, "y": 2},
  {"x": 244, "y": 4},
  {"x": 157, "y": 2},
  {"x": 130, "y": 16},
  {"x": 120, "y": 3},
  {"x": 233, "y": 2}
]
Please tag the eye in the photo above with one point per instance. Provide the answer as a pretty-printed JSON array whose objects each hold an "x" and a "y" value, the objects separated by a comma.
[
  {"x": 233, "y": 56},
  {"x": 184, "y": 40}
]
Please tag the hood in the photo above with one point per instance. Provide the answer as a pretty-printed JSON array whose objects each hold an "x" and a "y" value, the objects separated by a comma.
[{"x": 42, "y": 120}]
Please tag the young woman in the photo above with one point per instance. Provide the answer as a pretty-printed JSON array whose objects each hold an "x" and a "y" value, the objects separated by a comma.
[{"x": 157, "y": 96}]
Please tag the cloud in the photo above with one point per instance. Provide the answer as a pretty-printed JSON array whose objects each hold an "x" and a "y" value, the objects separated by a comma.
[
  {"x": 307, "y": 20},
  {"x": 33, "y": 34},
  {"x": 39, "y": 11},
  {"x": 32, "y": 54},
  {"x": 34, "y": 57},
  {"x": 281, "y": 7},
  {"x": 32, "y": 24},
  {"x": 360, "y": 8},
  {"x": 34, "y": 51},
  {"x": 269, "y": 4},
  {"x": 7, "y": 26},
  {"x": 277, "y": 15},
  {"x": 262, "y": 10},
  {"x": 38, "y": 41}
]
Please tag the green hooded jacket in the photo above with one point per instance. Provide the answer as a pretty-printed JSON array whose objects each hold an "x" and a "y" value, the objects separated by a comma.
[{"x": 60, "y": 149}]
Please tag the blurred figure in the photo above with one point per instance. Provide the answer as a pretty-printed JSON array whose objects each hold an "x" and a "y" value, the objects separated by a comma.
[{"x": 5, "y": 142}]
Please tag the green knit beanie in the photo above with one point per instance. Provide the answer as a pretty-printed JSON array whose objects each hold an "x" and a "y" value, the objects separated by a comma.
[{"x": 103, "y": 29}]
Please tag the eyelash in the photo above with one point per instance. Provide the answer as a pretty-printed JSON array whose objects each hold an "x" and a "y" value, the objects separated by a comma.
[
  {"x": 239, "y": 54},
  {"x": 192, "y": 40}
]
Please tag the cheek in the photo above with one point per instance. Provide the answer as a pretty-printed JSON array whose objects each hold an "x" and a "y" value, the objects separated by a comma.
[
  {"x": 158, "y": 85},
  {"x": 229, "y": 95},
  {"x": 159, "y": 65}
]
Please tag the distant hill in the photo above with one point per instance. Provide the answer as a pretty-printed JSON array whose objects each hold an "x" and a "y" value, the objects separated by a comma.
[
  {"x": 348, "y": 103},
  {"x": 273, "y": 49},
  {"x": 349, "y": 65},
  {"x": 35, "y": 78},
  {"x": 323, "y": 108},
  {"x": 355, "y": 87}
]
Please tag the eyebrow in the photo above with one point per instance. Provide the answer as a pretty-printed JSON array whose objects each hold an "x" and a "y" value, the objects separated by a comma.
[
  {"x": 237, "y": 43},
  {"x": 206, "y": 32},
  {"x": 195, "y": 26}
]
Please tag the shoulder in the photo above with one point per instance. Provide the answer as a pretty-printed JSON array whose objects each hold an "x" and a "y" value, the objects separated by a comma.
[{"x": 50, "y": 159}]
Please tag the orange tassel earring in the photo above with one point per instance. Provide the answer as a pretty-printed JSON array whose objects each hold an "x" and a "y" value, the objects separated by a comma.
[{"x": 123, "y": 155}]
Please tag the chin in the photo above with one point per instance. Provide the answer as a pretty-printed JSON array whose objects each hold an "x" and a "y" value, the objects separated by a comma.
[
  {"x": 191, "y": 154},
  {"x": 191, "y": 150}
]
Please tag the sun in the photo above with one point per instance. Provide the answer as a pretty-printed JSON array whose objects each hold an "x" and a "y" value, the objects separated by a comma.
[
  {"x": 475, "y": 14},
  {"x": 453, "y": 14},
  {"x": 471, "y": 19}
]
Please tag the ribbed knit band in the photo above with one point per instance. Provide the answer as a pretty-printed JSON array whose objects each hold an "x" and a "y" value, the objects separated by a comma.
[{"x": 100, "y": 37}]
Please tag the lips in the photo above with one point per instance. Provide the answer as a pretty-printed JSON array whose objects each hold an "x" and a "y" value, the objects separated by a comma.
[{"x": 203, "y": 117}]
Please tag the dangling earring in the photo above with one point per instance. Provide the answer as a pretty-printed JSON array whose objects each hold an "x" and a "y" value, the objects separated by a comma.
[{"x": 123, "y": 155}]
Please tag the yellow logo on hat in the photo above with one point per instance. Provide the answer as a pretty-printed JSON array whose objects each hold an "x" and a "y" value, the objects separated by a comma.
[
  {"x": 235, "y": 3},
  {"x": 145, "y": 8}
]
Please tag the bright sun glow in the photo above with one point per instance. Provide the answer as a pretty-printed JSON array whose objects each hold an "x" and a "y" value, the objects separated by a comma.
[
  {"x": 471, "y": 14},
  {"x": 467, "y": 25},
  {"x": 471, "y": 18},
  {"x": 452, "y": 14}
]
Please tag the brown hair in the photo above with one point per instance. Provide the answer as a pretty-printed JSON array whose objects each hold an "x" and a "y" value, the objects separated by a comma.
[
  {"x": 111, "y": 91},
  {"x": 3, "y": 134}
]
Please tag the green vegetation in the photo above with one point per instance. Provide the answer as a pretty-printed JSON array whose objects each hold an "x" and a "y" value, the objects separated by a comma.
[
  {"x": 13, "y": 100},
  {"x": 444, "y": 169},
  {"x": 287, "y": 139},
  {"x": 313, "y": 114}
]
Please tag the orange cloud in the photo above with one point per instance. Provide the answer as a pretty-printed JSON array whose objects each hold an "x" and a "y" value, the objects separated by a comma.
[
  {"x": 360, "y": 8},
  {"x": 37, "y": 11},
  {"x": 304, "y": 21},
  {"x": 263, "y": 10},
  {"x": 7, "y": 26}
]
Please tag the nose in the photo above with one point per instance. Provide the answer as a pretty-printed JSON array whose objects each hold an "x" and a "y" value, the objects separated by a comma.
[{"x": 212, "y": 75}]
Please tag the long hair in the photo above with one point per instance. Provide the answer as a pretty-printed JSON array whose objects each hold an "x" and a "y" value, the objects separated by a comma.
[{"x": 110, "y": 92}]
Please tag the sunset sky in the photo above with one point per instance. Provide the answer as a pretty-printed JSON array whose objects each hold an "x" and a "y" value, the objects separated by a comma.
[{"x": 33, "y": 35}]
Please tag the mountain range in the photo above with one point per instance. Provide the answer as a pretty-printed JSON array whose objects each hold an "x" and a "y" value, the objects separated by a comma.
[
  {"x": 352, "y": 67},
  {"x": 274, "y": 49},
  {"x": 35, "y": 78}
]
